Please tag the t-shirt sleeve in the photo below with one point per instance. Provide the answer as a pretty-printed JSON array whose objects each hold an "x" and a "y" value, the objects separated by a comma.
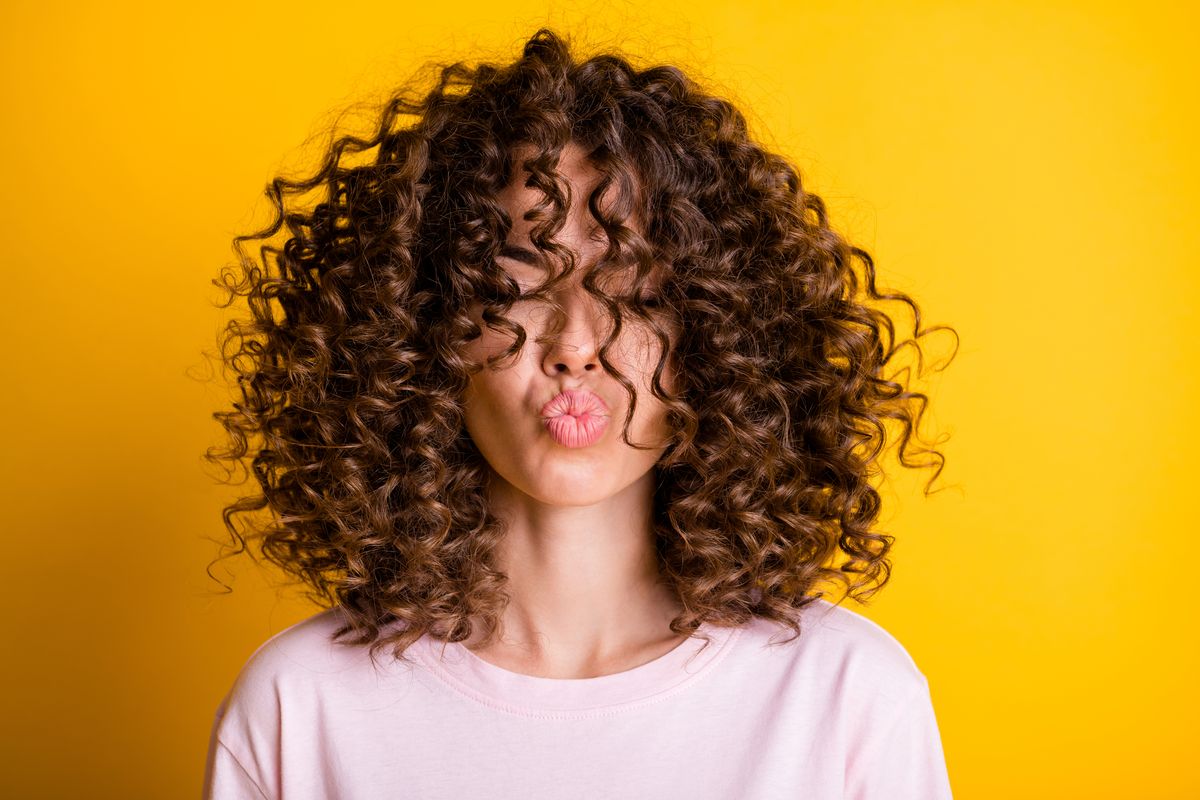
[
  {"x": 899, "y": 756},
  {"x": 238, "y": 748},
  {"x": 226, "y": 779}
]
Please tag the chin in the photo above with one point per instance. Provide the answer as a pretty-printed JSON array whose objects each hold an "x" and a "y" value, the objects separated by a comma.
[{"x": 568, "y": 485}]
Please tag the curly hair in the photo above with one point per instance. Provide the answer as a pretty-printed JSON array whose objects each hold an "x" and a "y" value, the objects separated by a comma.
[{"x": 351, "y": 414}]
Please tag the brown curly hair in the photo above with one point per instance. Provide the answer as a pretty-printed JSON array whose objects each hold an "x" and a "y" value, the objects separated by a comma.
[{"x": 352, "y": 395}]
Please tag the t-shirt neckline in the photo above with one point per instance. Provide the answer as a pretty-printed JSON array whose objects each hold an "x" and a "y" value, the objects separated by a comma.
[{"x": 531, "y": 695}]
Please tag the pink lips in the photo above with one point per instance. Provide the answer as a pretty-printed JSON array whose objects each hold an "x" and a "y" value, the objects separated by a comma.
[{"x": 575, "y": 418}]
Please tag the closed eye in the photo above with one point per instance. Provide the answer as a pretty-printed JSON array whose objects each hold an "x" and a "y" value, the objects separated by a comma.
[
  {"x": 521, "y": 254},
  {"x": 527, "y": 256}
]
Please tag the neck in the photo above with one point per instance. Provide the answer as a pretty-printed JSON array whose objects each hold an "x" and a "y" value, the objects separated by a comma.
[{"x": 584, "y": 584}]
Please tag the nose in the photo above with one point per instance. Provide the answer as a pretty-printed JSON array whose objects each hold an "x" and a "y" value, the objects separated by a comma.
[{"x": 573, "y": 348}]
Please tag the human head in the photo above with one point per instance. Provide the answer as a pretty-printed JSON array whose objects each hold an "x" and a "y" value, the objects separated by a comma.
[{"x": 770, "y": 372}]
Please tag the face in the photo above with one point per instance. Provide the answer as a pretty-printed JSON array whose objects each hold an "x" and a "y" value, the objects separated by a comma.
[{"x": 549, "y": 421}]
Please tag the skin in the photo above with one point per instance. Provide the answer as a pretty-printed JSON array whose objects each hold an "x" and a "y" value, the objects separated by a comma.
[{"x": 586, "y": 597}]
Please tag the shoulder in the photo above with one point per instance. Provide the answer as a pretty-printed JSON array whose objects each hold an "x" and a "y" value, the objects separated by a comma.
[
  {"x": 294, "y": 682},
  {"x": 301, "y": 667},
  {"x": 302, "y": 649},
  {"x": 844, "y": 651}
]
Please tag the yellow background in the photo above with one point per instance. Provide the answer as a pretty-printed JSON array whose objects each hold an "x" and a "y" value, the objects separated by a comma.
[{"x": 1027, "y": 171}]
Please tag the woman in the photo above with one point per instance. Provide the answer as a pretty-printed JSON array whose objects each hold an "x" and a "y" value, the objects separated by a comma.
[{"x": 571, "y": 408}]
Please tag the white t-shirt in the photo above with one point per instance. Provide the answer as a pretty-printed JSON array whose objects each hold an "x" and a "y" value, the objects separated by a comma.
[{"x": 840, "y": 712}]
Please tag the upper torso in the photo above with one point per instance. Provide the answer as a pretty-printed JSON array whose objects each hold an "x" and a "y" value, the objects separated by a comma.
[{"x": 840, "y": 712}]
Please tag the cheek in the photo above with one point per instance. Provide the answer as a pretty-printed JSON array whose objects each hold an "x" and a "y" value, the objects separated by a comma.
[
  {"x": 647, "y": 356},
  {"x": 489, "y": 421},
  {"x": 496, "y": 396},
  {"x": 652, "y": 410}
]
